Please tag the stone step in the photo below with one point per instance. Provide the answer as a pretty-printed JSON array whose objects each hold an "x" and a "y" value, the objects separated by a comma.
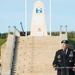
[
  {"x": 37, "y": 73},
  {"x": 35, "y": 55}
]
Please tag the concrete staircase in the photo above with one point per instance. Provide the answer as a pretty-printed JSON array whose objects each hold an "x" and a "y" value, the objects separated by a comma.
[
  {"x": 29, "y": 55},
  {"x": 34, "y": 55}
]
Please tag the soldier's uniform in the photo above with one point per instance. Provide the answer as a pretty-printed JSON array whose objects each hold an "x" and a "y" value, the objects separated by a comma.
[{"x": 64, "y": 60}]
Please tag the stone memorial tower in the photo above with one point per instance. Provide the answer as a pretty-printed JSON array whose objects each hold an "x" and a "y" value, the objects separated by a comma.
[{"x": 38, "y": 25}]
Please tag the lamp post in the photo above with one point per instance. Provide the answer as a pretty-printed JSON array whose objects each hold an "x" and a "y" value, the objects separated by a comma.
[
  {"x": 60, "y": 29},
  {"x": 66, "y": 29},
  {"x": 8, "y": 29}
]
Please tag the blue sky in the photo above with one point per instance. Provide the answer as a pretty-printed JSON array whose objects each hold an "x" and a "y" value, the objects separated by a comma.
[{"x": 12, "y": 12}]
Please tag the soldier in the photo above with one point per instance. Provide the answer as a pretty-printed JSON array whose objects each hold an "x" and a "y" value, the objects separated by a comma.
[{"x": 64, "y": 57}]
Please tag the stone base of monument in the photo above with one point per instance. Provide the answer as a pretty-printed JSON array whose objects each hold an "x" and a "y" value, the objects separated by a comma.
[
  {"x": 29, "y": 55},
  {"x": 33, "y": 55}
]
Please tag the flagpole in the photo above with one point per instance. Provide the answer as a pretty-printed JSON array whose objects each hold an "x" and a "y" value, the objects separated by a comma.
[
  {"x": 26, "y": 17},
  {"x": 50, "y": 15}
]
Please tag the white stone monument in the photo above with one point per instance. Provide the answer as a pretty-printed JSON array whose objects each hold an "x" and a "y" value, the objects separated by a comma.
[{"x": 38, "y": 25}]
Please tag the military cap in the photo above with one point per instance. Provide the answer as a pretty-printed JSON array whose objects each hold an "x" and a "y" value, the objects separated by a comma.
[{"x": 65, "y": 41}]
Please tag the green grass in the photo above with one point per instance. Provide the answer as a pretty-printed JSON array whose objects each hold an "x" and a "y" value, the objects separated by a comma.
[
  {"x": 72, "y": 41},
  {"x": 2, "y": 41}
]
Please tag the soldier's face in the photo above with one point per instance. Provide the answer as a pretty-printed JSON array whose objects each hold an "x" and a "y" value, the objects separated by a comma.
[{"x": 64, "y": 46}]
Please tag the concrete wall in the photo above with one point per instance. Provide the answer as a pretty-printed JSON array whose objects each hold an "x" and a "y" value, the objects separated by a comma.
[
  {"x": 3, "y": 47},
  {"x": 8, "y": 54}
]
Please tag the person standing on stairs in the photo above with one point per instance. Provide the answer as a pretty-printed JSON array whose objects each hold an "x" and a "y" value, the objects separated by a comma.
[{"x": 64, "y": 61}]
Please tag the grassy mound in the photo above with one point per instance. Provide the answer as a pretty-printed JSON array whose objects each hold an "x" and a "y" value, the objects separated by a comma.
[
  {"x": 72, "y": 41},
  {"x": 2, "y": 41}
]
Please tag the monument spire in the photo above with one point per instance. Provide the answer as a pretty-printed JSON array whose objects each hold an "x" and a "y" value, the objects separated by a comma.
[{"x": 38, "y": 25}]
